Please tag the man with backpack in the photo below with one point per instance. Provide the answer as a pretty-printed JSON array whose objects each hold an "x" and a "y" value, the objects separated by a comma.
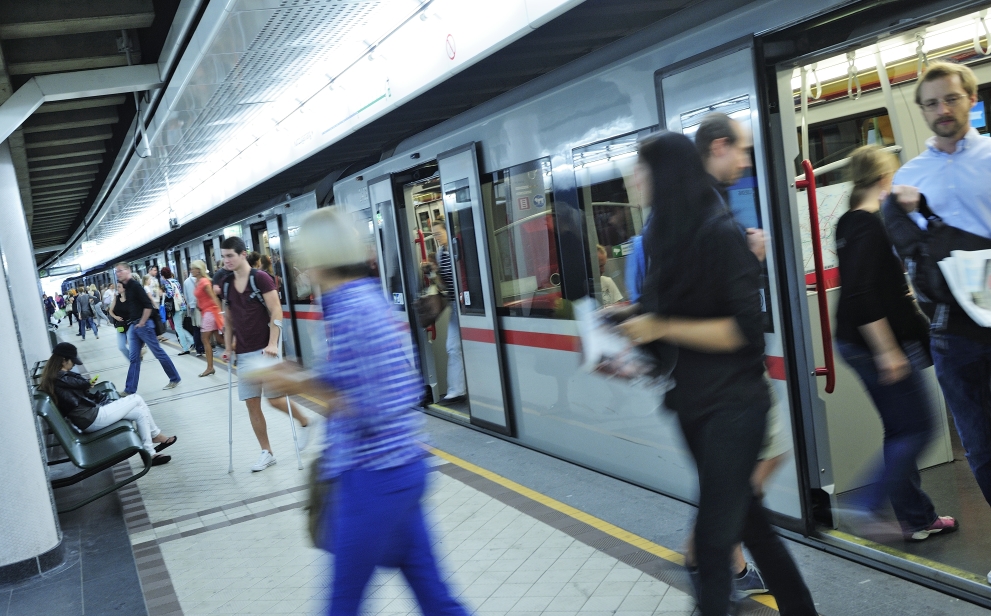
[
  {"x": 83, "y": 309},
  {"x": 945, "y": 204},
  {"x": 253, "y": 314}
]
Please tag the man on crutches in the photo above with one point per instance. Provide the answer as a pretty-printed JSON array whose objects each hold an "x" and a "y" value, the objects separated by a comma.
[{"x": 253, "y": 314}]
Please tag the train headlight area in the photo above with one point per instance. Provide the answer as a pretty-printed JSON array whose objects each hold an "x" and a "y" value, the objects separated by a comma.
[{"x": 488, "y": 149}]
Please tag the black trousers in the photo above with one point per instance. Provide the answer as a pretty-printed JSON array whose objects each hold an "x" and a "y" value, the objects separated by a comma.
[{"x": 725, "y": 444}]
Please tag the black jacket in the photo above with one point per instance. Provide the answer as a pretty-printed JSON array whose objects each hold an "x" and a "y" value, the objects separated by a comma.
[{"x": 74, "y": 400}]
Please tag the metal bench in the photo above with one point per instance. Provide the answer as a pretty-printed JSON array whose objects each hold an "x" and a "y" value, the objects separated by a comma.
[{"x": 93, "y": 452}]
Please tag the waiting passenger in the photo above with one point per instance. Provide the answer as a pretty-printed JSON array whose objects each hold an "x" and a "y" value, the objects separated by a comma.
[
  {"x": 375, "y": 519},
  {"x": 117, "y": 305},
  {"x": 456, "y": 387},
  {"x": 211, "y": 319},
  {"x": 701, "y": 295},
  {"x": 90, "y": 412},
  {"x": 883, "y": 336}
]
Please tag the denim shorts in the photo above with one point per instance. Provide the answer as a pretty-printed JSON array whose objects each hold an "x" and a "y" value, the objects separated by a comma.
[{"x": 247, "y": 389}]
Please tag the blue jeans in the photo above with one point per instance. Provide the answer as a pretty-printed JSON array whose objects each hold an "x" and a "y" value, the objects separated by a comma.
[
  {"x": 378, "y": 521},
  {"x": 907, "y": 416},
  {"x": 122, "y": 345},
  {"x": 964, "y": 370},
  {"x": 136, "y": 336},
  {"x": 87, "y": 323}
]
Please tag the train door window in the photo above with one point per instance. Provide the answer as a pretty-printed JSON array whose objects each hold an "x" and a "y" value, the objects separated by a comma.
[
  {"x": 188, "y": 260},
  {"x": 519, "y": 207},
  {"x": 208, "y": 254},
  {"x": 259, "y": 239},
  {"x": 463, "y": 231},
  {"x": 301, "y": 290},
  {"x": 835, "y": 140},
  {"x": 614, "y": 212}
]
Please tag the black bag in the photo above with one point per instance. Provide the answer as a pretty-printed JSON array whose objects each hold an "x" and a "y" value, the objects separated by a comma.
[
  {"x": 321, "y": 494},
  {"x": 169, "y": 307},
  {"x": 187, "y": 324},
  {"x": 940, "y": 240},
  {"x": 160, "y": 328}
]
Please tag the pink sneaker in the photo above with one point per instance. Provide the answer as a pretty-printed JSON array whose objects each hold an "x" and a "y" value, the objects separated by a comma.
[{"x": 943, "y": 524}]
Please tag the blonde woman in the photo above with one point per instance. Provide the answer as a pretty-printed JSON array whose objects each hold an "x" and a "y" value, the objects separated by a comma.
[{"x": 209, "y": 306}]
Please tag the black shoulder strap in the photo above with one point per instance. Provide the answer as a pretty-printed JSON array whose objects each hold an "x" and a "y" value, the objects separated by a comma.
[{"x": 255, "y": 293}]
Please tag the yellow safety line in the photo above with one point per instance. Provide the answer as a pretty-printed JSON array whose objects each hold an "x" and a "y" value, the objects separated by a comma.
[
  {"x": 452, "y": 411},
  {"x": 610, "y": 529},
  {"x": 919, "y": 560}
]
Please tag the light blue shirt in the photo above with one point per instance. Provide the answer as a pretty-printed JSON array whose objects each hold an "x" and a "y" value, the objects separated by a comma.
[{"x": 957, "y": 186}]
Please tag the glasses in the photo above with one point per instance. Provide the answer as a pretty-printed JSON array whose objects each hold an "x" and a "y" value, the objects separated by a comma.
[{"x": 950, "y": 101}]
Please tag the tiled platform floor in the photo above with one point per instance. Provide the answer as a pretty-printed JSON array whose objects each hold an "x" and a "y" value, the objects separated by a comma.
[{"x": 209, "y": 542}]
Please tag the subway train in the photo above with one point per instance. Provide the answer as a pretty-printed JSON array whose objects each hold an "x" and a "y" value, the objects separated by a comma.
[{"x": 536, "y": 191}]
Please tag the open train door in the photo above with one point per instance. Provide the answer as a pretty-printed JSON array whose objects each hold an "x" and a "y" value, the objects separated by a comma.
[{"x": 481, "y": 342}]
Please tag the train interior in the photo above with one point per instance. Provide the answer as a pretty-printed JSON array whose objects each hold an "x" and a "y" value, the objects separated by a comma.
[{"x": 843, "y": 101}]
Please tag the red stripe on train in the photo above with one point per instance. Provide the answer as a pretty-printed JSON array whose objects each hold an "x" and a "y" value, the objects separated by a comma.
[{"x": 474, "y": 334}]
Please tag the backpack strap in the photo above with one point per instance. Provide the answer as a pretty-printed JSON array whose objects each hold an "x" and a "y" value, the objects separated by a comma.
[{"x": 255, "y": 293}]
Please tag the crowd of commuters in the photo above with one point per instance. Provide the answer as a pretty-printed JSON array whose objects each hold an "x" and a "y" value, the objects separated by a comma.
[{"x": 694, "y": 285}]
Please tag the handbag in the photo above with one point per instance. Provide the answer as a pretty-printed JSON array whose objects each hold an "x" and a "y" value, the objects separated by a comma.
[
  {"x": 429, "y": 306},
  {"x": 187, "y": 324},
  {"x": 321, "y": 493}
]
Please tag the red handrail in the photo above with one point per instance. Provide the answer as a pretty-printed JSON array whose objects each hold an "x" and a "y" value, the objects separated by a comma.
[
  {"x": 809, "y": 185},
  {"x": 423, "y": 257}
]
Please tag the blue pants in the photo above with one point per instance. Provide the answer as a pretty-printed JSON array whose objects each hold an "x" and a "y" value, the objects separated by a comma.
[
  {"x": 964, "y": 370},
  {"x": 378, "y": 521},
  {"x": 185, "y": 338},
  {"x": 136, "y": 336},
  {"x": 87, "y": 323},
  {"x": 907, "y": 416},
  {"x": 122, "y": 345}
]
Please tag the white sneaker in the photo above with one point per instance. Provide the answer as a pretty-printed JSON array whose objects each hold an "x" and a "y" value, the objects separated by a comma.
[
  {"x": 266, "y": 460},
  {"x": 303, "y": 435}
]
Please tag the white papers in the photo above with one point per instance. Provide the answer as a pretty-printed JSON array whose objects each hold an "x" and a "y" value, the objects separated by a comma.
[
  {"x": 968, "y": 274},
  {"x": 607, "y": 352}
]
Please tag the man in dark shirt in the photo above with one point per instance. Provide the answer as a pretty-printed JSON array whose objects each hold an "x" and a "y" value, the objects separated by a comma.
[
  {"x": 257, "y": 324},
  {"x": 137, "y": 311}
]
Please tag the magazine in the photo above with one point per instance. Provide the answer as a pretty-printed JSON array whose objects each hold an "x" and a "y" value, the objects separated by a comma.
[
  {"x": 606, "y": 351},
  {"x": 968, "y": 274}
]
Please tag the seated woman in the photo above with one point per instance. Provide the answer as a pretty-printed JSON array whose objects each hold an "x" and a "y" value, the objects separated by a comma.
[{"x": 70, "y": 393}]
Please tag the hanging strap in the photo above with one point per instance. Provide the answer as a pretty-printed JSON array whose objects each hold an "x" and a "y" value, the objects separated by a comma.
[
  {"x": 981, "y": 23},
  {"x": 852, "y": 77},
  {"x": 922, "y": 61}
]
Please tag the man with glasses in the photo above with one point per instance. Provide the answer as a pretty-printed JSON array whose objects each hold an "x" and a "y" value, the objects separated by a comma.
[{"x": 951, "y": 178}]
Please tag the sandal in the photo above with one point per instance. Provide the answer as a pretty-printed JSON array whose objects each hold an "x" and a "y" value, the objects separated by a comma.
[
  {"x": 160, "y": 459},
  {"x": 208, "y": 372},
  {"x": 166, "y": 443}
]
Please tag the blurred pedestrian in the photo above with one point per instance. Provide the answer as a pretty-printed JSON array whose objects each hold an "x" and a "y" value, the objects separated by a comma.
[
  {"x": 177, "y": 301},
  {"x": 457, "y": 389},
  {"x": 84, "y": 311},
  {"x": 884, "y": 337},
  {"x": 701, "y": 295},
  {"x": 192, "y": 321},
  {"x": 375, "y": 517}
]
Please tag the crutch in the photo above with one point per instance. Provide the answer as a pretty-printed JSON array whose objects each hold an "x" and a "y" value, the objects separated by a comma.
[
  {"x": 292, "y": 424},
  {"x": 230, "y": 414}
]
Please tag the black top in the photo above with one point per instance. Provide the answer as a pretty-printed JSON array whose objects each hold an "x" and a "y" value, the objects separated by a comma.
[
  {"x": 137, "y": 301},
  {"x": 727, "y": 286},
  {"x": 873, "y": 281},
  {"x": 74, "y": 401}
]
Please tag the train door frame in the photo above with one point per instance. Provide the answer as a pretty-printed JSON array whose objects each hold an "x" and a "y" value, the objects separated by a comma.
[
  {"x": 291, "y": 342},
  {"x": 483, "y": 350},
  {"x": 695, "y": 84}
]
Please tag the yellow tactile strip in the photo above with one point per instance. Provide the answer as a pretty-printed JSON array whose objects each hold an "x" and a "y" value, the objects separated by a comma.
[{"x": 655, "y": 560}]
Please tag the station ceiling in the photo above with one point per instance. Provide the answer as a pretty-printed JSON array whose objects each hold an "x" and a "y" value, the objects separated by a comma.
[
  {"x": 63, "y": 152},
  {"x": 584, "y": 29}
]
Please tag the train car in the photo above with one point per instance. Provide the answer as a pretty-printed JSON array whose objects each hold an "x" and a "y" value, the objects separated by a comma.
[{"x": 537, "y": 194}]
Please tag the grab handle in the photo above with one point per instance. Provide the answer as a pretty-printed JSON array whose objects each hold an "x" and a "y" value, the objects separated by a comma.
[{"x": 809, "y": 185}]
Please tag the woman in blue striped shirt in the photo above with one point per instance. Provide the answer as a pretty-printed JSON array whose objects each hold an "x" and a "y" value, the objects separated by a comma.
[{"x": 373, "y": 456}]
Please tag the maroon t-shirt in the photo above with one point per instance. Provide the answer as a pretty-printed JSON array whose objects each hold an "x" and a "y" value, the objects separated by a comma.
[{"x": 248, "y": 316}]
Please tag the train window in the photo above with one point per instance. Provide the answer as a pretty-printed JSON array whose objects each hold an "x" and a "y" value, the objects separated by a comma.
[
  {"x": 614, "y": 211},
  {"x": 300, "y": 289},
  {"x": 837, "y": 139},
  {"x": 519, "y": 207}
]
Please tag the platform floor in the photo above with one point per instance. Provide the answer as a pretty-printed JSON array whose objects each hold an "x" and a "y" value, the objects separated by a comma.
[{"x": 517, "y": 532}]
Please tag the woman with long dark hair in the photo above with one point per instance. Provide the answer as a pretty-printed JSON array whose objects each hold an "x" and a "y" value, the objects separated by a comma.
[
  {"x": 701, "y": 295},
  {"x": 70, "y": 391}
]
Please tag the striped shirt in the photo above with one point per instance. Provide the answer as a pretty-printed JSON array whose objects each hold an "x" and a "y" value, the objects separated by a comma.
[
  {"x": 446, "y": 271},
  {"x": 376, "y": 428}
]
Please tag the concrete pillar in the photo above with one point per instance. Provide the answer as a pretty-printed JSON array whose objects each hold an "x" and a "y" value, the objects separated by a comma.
[
  {"x": 30, "y": 540},
  {"x": 18, "y": 262}
]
